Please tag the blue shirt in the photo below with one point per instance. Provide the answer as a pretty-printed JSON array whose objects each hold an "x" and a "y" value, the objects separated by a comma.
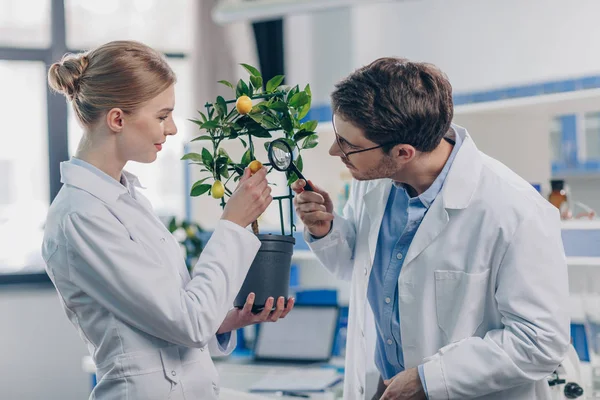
[{"x": 400, "y": 222}]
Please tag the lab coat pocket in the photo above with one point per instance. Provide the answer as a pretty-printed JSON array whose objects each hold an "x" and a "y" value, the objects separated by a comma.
[
  {"x": 142, "y": 375},
  {"x": 460, "y": 302}
]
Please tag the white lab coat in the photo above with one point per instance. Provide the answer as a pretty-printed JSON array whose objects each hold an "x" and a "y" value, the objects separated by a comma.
[
  {"x": 483, "y": 290},
  {"x": 123, "y": 283}
]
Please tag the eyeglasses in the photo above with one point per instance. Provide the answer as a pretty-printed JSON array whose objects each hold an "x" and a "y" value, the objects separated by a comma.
[{"x": 340, "y": 141}]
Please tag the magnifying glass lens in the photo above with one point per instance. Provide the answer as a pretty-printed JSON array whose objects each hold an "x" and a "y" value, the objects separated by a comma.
[{"x": 281, "y": 157}]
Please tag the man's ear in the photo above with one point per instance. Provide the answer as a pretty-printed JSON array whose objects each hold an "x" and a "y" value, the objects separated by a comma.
[
  {"x": 403, "y": 152},
  {"x": 114, "y": 120}
]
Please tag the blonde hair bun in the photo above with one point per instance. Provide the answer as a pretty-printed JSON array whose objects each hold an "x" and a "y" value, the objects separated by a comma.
[{"x": 65, "y": 76}]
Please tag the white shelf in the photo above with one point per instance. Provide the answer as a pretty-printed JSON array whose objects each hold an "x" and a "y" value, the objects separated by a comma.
[
  {"x": 581, "y": 224},
  {"x": 583, "y": 261},
  {"x": 303, "y": 255}
]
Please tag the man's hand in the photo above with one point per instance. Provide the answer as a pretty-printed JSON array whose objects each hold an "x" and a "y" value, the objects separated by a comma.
[
  {"x": 404, "y": 386},
  {"x": 239, "y": 318},
  {"x": 314, "y": 208}
]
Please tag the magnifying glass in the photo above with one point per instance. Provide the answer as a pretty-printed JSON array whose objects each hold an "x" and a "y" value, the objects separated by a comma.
[{"x": 282, "y": 159}]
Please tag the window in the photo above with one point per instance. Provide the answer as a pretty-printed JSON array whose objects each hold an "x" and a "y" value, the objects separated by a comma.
[
  {"x": 555, "y": 140},
  {"x": 163, "y": 25},
  {"x": 592, "y": 136},
  {"x": 29, "y": 41},
  {"x": 25, "y": 23},
  {"x": 24, "y": 188}
]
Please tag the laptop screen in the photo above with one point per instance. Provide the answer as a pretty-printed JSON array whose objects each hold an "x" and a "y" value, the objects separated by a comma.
[{"x": 305, "y": 334}]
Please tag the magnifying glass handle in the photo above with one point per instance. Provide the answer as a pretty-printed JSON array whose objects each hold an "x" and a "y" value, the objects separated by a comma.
[{"x": 307, "y": 187}]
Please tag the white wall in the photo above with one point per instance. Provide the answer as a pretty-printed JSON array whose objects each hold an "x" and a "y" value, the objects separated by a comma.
[
  {"x": 40, "y": 351},
  {"x": 480, "y": 44},
  {"x": 519, "y": 140}
]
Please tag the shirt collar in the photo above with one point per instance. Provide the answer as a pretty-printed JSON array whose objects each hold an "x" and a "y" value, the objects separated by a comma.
[
  {"x": 85, "y": 176},
  {"x": 429, "y": 195}
]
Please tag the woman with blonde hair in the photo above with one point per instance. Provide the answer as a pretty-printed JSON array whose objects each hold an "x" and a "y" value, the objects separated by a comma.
[{"x": 149, "y": 326}]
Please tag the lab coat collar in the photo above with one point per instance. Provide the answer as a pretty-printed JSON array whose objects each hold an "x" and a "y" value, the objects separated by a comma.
[
  {"x": 84, "y": 179},
  {"x": 463, "y": 177}
]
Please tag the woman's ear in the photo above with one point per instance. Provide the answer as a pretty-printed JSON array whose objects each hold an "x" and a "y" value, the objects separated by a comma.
[{"x": 114, "y": 120}]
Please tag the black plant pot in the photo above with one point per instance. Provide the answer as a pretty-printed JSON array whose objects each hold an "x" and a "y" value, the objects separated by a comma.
[{"x": 269, "y": 274}]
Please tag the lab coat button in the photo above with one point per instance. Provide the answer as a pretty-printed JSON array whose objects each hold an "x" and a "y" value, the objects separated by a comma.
[
  {"x": 399, "y": 256},
  {"x": 361, "y": 390},
  {"x": 362, "y": 333},
  {"x": 173, "y": 373},
  {"x": 201, "y": 348},
  {"x": 389, "y": 341},
  {"x": 388, "y": 300},
  {"x": 365, "y": 272}
]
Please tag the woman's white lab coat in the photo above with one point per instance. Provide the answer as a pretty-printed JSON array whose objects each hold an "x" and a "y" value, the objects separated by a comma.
[
  {"x": 123, "y": 283},
  {"x": 483, "y": 290}
]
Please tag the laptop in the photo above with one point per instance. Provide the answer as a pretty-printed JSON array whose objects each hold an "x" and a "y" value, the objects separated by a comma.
[{"x": 306, "y": 334}]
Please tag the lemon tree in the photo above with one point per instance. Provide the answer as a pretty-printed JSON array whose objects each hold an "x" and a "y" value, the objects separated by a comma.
[{"x": 258, "y": 110}]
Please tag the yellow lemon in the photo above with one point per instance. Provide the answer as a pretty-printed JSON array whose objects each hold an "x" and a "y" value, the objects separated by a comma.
[
  {"x": 255, "y": 166},
  {"x": 243, "y": 104},
  {"x": 191, "y": 232},
  {"x": 217, "y": 190}
]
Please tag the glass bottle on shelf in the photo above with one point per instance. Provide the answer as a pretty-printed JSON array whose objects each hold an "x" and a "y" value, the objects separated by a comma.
[{"x": 559, "y": 199}]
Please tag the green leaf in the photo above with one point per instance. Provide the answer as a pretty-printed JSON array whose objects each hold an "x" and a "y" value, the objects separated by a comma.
[
  {"x": 304, "y": 111},
  {"x": 239, "y": 169},
  {"x": 201, "y": 181},
  {"x": 241, "y": 89},
  {"x": 270, "y": 122},
  {"x": 293, "y": 92},
  {"x": 290, "y": 142},
  {"x": 299, "y": 99},
  {"x": 192, "y": 156},
  {"x": 210, "y": 125},
  {"x": 307, "y": 90},
  {"x": 256, "y": 81},
  {"x": 302, "y": 134},
  {"x": 299, "y": 163},
  {"x": 251, "y": 70},
  {"x": 309, "y": 125},
  {"x": 223, "y": 153},
  {"x": 267, "y": 144},
  {"x": 226, "y": 83},
  {"x": 220, "y": 161},
  {"x": 259, "y": 132},
  {"x": 279, "y": 106},
  {"x": 172, "y": 225},
  {"x": 233, "y": 134},
  {"x": 246, "y": 158},
  {"x": 221, "y": 106},
  {"x": 310, "y": 142},
  {"x": 257, "y": 117},
  {"x": 265, "y": 120},
  {"x": 293, "y": 178},
  {"x": 204, "y": 119},
  {"x": 244, "y": 142},
  {"x": 224, "y": 171},
  {"x": 274, "y": 83},
  {"x": 203, "y": 137},
  {"x": 197, "y": 122},
  {"x": 207, "y": 159},
  {"x": 198, "y": 190},
  {"x": 287, "y": 124}
]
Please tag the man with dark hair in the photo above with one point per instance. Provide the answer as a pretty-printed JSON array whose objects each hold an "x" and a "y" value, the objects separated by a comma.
[{"x": 460, "y": 260}]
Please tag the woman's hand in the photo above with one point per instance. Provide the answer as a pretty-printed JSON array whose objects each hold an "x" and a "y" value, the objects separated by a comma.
[
  {"x": 250, "y": 199},
  {"x": 239, "y": 318}
]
